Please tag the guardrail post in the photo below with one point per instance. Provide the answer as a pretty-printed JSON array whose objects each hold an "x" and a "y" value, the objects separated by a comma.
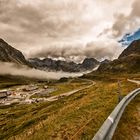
[{"x": 119, "y": 92}]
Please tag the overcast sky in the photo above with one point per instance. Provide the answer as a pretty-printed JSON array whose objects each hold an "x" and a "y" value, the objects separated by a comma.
[{"x": 70, "y": 29}]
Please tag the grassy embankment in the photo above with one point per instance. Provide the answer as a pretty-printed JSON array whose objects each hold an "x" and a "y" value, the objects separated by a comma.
[
  {"x": 77, "y": 117},
  {"x": 129, "y": 125}
]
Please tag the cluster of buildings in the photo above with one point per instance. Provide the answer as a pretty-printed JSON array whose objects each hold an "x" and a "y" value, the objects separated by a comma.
[{"x": 23, "y": 94}]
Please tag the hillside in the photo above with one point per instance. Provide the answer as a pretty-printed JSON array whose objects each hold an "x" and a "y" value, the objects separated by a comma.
[
  {"x": 132, "y": 49},
  {"x": 76, "y": 117},
  {"x": 128, "y": 61}
]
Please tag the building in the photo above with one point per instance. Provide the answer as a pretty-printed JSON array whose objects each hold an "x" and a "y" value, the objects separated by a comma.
[{"x": 4, "y": 93}]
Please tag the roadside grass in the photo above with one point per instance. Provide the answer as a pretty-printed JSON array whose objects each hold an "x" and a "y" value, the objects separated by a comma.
[
  {"x": 129, "y": 125},
  {"x": 76, "y": 117}
]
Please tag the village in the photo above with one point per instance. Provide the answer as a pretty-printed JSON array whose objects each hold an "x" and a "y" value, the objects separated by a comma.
[{"x": 25, "y": 94}]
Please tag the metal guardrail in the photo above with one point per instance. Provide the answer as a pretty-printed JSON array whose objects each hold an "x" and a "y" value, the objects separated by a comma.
[{"x": 107, "y": 130}]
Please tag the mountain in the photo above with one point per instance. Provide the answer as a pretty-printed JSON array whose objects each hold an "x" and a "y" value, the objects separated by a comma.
[
  {"x": 132, "y": 49},
  {"x": 90, "y": 63},
  {"x": 126, "y": 64},
  {"x": 128, "y": 61},
  {"x": 10, "y": 54},
  {"x": 58, "y": 65}
]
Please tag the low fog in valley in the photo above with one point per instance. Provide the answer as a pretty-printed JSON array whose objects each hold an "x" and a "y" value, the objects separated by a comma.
[{"x": 11, "y": 69}]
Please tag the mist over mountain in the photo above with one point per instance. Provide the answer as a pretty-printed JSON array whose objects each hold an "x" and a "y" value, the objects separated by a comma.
[
  {"x": 14, "y": 56},
  {"x": 130, "y": 54},
  {"x": 67, "y": 29}
]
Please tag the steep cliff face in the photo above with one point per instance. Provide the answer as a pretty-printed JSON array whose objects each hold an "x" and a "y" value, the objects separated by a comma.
[{"x": 10, "y": 54}]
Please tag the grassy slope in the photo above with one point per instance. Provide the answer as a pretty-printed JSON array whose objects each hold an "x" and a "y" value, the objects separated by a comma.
[{"x": 76, "y": 117}]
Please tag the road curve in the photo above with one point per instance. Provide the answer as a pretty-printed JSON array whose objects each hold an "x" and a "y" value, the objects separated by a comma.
[{"x": 55, "y": 98}]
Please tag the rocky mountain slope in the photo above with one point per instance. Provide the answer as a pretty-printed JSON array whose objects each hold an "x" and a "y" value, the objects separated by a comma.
[
  {"x": 58, "y": 65},
  {"x": 128, "y": 61},
  {"x": 132, "y": 49},
  {"x": 10, "y": 54}
]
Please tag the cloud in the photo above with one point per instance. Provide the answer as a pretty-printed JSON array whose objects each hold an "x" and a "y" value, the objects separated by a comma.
[
  {"x": 100, "y": 50},
  {"x": 53, "y": 19},
  {"x": 65, "y": 28},
  {"x": 127, "y": 23},
  {"x": 9, "y": 68}
]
